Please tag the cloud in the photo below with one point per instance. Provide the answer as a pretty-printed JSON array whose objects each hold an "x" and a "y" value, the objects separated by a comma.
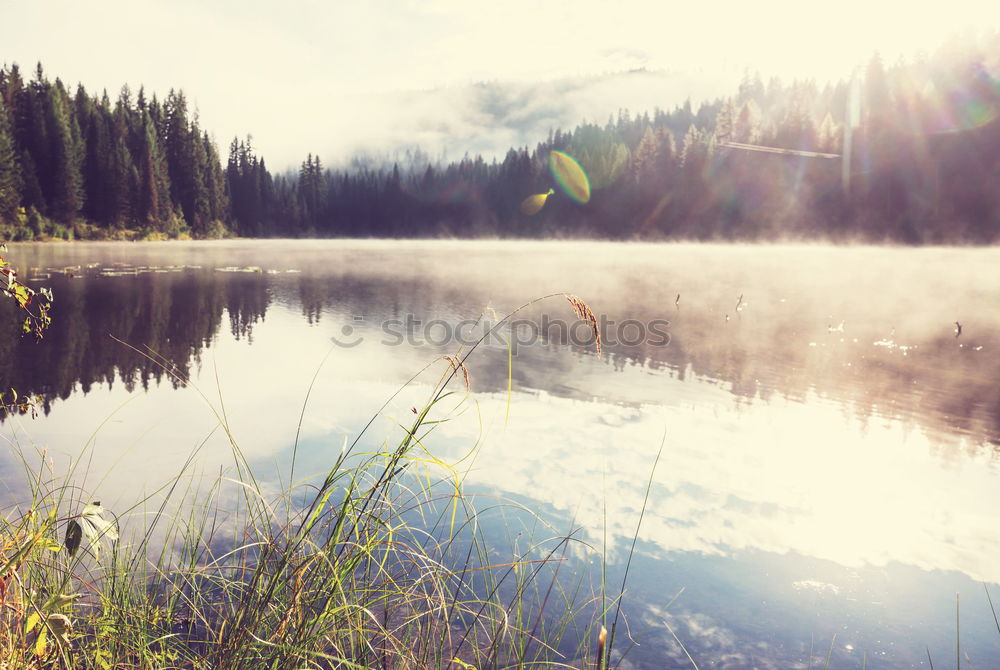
[
  {"x": 784, "y": 478},
  {"x": 626, "y": 57},
  {"x": 490, "y": 117}
]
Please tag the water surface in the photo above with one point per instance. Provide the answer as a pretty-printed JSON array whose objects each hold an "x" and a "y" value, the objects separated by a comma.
[{"x": 830, "y": 445}]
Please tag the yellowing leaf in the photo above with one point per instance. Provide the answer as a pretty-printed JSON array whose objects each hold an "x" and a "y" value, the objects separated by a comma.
[
  {"x": 40, "y": 645},
  {"x": 61, "y": 627},
  {"x": 533, "y": 203},
  {"x": 31, "y": 622}
]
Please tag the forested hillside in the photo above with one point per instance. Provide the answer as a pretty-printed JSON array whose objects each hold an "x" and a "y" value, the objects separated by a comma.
[{"x": 908, "y": 152}]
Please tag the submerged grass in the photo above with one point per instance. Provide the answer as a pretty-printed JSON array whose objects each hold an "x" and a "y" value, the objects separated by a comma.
[{"x": 363, "y": 567}]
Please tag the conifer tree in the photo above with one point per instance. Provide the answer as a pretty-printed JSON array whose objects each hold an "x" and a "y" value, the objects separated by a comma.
[
  {"x": 65, "y": 180},
  {"x": 215, "y": 182},
  {"x": 198, "y": 182},
  {"x": 725, "y": 123},
  {"x": 10, "y": 169},
  {"x": 98, "y": 161},
  {"x": 126, "y": 176},
  {"x": 148, "y": 206}
]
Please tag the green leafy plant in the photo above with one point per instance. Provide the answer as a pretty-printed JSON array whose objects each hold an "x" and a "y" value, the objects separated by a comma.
[{"x": 34, "y": 304}]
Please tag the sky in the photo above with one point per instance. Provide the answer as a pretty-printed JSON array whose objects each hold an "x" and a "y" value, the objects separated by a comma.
[{"x": 340, "y": 78}]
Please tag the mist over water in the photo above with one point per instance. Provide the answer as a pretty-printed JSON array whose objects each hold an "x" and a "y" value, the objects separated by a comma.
[{"x": 830, "y": 440}]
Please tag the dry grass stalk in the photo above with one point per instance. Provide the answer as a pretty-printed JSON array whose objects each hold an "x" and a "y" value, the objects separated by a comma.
[
  {"x": 456, "y": 365},
  {"x": 601, "y": 638},
  {"x": 584, "y": 313}
]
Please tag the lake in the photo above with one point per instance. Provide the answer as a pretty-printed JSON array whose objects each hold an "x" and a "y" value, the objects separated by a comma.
[{"x": 829, "y": 471}]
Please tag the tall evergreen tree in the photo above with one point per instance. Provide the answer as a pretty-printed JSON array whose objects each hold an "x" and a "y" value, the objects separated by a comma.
[
  {"x": 98, "y": 172},
  {"x": 11, "y": 182},
  {"x": 148, "y": 211},
  {"x": 215, "y": 182},
  {"x": 65, "y": 182}
]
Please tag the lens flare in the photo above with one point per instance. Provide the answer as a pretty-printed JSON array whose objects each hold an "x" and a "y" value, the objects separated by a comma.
[
  {"x": 964, "y": 106},
  {"x": 967, "y": 114},
  {"x": 534, "y": 203},
  {"x": 570, "y": 176}
]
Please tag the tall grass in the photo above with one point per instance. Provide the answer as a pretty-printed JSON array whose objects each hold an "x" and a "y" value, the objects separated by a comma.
[{"x": 362, "y": 567}]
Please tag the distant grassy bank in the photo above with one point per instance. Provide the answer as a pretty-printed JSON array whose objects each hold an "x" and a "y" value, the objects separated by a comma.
[{"x": 30, "y": 226}]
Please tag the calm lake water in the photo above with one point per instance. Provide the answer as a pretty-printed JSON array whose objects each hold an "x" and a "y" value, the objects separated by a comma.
[{"x": 830, "y": 446}]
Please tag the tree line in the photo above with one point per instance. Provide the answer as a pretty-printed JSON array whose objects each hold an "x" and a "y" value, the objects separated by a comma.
[
  {"x": 82, "y": 164},
  {"x": 907, "y": 153}
]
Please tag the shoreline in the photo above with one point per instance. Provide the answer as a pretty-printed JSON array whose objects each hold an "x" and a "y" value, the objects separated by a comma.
[{"x": 501, "y": 242}]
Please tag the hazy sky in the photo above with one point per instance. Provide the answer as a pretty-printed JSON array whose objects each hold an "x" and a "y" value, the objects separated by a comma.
[{"x": 338, "y": 77}]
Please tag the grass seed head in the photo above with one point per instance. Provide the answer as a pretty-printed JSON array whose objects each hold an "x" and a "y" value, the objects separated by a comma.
[
  {"x": 584, "y": 313},
  {"x": 456, "y": 365}
]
